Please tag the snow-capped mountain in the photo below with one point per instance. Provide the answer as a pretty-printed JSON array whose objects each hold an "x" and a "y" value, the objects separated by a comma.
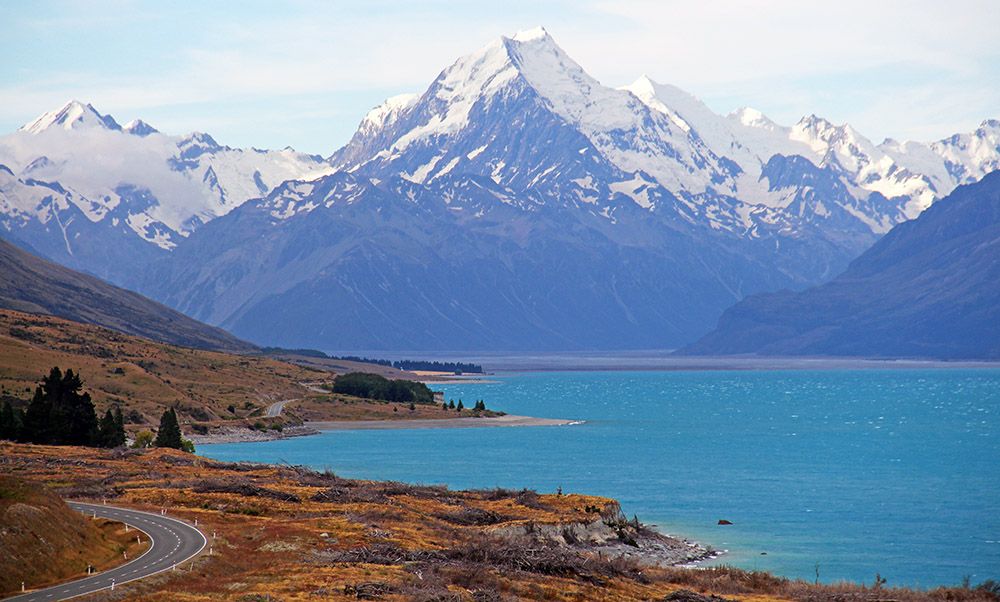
[
  {"x": 75, "y": 170},
  {"x": 505, "y": 206}
]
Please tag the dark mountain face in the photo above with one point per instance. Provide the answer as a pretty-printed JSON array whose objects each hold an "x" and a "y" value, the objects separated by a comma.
[
  {"x": 929, "y": 288},
  {"x": 511, "y": 231},
  {"x": 351, "y": 264},
  {"x": 31, "y": 284}
]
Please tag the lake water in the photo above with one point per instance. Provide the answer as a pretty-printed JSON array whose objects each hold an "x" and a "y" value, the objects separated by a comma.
[{"x": 860, "y": 472}]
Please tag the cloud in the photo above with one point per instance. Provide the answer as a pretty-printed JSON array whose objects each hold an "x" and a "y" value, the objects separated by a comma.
[{"x": 246, "y": 64}]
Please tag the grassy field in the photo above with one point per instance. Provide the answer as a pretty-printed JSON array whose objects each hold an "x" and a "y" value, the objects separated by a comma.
[
  {"x": 207, "y": 388},
  {"x": 140, "y": 374},
  {"x": 291, "y": 534}
]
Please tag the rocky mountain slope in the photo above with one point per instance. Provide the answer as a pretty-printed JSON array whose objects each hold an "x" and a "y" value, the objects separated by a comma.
[
  {"x": 929, "y": 288},
  {"x": 32, "y": 284}
]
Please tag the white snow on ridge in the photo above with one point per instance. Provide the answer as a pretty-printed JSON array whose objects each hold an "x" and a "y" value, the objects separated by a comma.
[
  {"x": 387, "y": 112},
  {"x": 92, "y": 158},
  {"x": 73, "y": 115}
]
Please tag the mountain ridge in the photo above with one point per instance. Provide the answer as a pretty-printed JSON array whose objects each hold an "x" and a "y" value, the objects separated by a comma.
[
  {"x": 512, "y": 147},
  {"x": 31, "y": 284},
  {"x": 927, "y": 289}
]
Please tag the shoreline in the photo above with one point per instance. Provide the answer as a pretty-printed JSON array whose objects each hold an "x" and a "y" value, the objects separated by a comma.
[
  {"x": 507, "y": 420},
  {"x": 229, "y": 434}
]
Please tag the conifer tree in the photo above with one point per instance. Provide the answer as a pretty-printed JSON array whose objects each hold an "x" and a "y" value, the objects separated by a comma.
[
  {"x": 460, "y": 407},
  {"x": 112, "y": 429},
  {"x": 8, "y": 429},
  {"x": 37, "y": 418},
  {"x": 59, "y": 414},
  {"x": 106, "y": 429},
  {"x": 169, "y": 433},
  {"x": 119, "y": 427}
]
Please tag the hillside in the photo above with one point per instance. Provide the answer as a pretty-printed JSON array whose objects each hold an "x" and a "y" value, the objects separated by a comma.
[
  {"x": 31, "y": 284},
  {"x": 929, "y": 288},
  {"x": 140, "y": 374},
  {"x": 213, "y": 392},
  {"x": 288, "y": 533},
  {"x": 42, "y": 540}
]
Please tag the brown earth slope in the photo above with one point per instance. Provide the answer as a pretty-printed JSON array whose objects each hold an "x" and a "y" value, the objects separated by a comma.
[
  {"x": 42, "y": 540},
  {"x": 140, "y": 374},
  {"x": 31, "y": 284},
  {"x": 145, "y": 377}
]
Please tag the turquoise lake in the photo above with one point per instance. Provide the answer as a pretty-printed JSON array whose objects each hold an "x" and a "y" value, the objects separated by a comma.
[{"x": 857, "y": 472}]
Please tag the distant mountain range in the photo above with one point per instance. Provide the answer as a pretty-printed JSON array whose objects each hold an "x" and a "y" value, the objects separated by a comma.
[
  {"x": 515, "y": 204},
  {"x": 31, "y": 284},
  {"x": 90, "y": 194},
  {"x": 929, "y": 288}
]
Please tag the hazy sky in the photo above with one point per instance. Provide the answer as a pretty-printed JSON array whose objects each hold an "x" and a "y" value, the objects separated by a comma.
[{"x": 271, "y": 74}]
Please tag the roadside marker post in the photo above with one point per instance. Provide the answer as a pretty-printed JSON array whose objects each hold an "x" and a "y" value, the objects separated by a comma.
[
  {"x": 112, "y": 585},
  {"x": 22, "y": 586}
]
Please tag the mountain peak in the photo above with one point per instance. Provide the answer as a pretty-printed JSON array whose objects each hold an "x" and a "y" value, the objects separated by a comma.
[
  {"x": 751, "y": 117},
  {"x": 73, "y": 115},
  {"x": 531, "y": 35},
  {"x": 138, "y": 127},
  {"x": 643, "y": 86}
]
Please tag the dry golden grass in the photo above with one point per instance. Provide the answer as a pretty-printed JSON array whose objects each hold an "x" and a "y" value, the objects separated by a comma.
[
  {"x": 294, "y": 534},
  {"x": 43, "y": 541},
  {"x": 148, "y": 377},
  {"x": 137, "y": 373}
]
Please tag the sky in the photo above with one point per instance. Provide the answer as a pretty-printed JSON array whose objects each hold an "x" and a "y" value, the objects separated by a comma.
[{"x": 303, "y": 73}]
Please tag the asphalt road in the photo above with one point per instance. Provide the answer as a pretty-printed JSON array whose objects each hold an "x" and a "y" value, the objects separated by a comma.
[
  {"x": 275, "y": 408},
  {"x": 173, "y": 543}
]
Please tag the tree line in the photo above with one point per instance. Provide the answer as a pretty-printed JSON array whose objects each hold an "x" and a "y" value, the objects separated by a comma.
[
  {"x": 373, "y": 386},
  {"x": 61, "y": 413},
  {"x": 431, "y": 366}
]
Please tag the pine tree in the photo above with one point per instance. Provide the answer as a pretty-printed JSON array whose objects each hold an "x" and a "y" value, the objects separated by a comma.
[
  {"x": 73, "y": 415},
  {"x": 119, "y": 439},
  {"x": 460, "y": 407},
  {"x": 169, "y": 433},
  {"x": 37, "y": 419},
  {"x": 59, "y": 414},
  {"x": 112, "y": 429},
  {"x": 106, "y": 429},
  {"x": 444, "y": 406},
  {"x": 451, "y": 404},
  {"x": 7, "y": 427},
  {"x": 19, "y": 425}
]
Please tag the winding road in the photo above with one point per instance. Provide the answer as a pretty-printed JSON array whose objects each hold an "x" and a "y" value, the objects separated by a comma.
[
  {"x": 174, "y": 542},
  {"x": 275, "y": 408}
]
